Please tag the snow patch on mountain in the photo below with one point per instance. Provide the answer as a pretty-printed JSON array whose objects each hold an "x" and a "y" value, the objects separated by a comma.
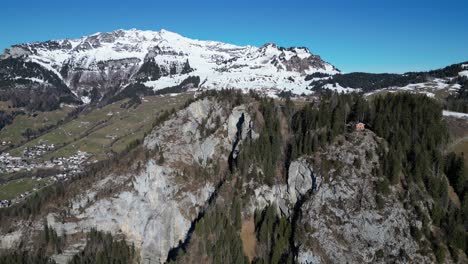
[
  {"x": 463, "y": 73},
  {"x": 340, "y": 89},
  {"x": 85, "y": 99},
  {"x": 436, "y": 84},
  {"x": 455, "y": 114},
  {"x": 30, "y": 79},
  {"x": 427, "y": 88}
]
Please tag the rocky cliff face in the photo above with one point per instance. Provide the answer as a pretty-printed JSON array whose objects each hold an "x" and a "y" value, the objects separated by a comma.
[
  {"x": 155, "y": 202},
  {"x": 301, "y": 180},
  {"x": 332, "y": 199},
  {"x": 341, "y": 221}
]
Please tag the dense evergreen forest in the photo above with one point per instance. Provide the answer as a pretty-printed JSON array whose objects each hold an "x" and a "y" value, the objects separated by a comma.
[
  {"x": 315, "y": 126},
  {"x": 274, "y": 236},
  {"x": 103, "y": 248},
  {"x": 459, "y": 102},
  {"x": 100, "y": 248},
  {"x": 218, "y": 235},
  {"x": 413, "y": 159},
  {"x": 266, "y": 150},
  {"x": 7, "y": 118}
]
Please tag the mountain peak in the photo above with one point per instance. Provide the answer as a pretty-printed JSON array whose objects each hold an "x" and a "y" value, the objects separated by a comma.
[
  {"x": 162, "y": 59},
  {"x": 164, "y": 31},
  {"x": 269, "y": 45}
]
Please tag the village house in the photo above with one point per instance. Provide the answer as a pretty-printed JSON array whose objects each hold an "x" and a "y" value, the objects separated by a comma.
[
  {"x": 360, "y": 126},
  {"x": 67, "y": 166},
  {"x": 5, "y": 203}
]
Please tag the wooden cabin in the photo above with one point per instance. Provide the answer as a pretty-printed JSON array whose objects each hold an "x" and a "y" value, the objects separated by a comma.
[{"x": 360, "y": 126}]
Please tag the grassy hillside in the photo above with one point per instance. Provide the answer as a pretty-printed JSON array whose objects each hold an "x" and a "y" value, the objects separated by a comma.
[
  {"x": 101, "y": 133},
  {"x": 34, "y": 121},
  {"x": 105, "y": 130}
]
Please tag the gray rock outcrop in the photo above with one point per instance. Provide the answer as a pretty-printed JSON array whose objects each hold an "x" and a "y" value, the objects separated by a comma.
[
  {"x": 301, "y": 179},
  {"x": 341, "y": 221},
  {"x": 154, "y": 206}
]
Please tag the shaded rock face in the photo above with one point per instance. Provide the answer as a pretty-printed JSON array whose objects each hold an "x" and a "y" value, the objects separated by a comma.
[
  {"x": 104, "y": 76},
  {"x": 152, "y": 213},
  {"x": 341, "y": 221},
  {"x": 191, "y": 143},
  {"x": 28, "y": 84},
  {"x": 333, "y": 196},
  {"x": 301, "y": 179},
  {"x": 265, "y": 195},
  {"x": 154, "y": 206}
]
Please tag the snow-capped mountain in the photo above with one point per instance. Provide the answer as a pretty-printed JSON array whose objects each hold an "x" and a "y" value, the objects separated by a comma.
[{"x": 103, "y": 64}]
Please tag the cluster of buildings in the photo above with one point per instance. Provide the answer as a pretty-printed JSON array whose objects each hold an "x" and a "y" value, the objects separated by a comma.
[
  {"x": 72, "y": 164},
  {"x": 67, "y": 166},
  {"x": 37, "y": 150},
  {"x": 5, "y": 203},
  {"x": 4, "y": 143},
  {"x": 28, "y": 161},
  {"x": 11, "y": 164}
]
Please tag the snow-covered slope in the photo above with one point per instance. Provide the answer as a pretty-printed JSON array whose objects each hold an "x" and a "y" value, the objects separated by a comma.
[
  {"x": 455, "y": 114},
  {"x": 443, "y": 81},
  {"x": 160, "y": 59}
]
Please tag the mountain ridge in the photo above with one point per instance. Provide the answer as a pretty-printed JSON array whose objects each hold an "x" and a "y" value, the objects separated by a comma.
[
  {"x": 112, "y": 60},
  {"x": 107, "y": 66}
]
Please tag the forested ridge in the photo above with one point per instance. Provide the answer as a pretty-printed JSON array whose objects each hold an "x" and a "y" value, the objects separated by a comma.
[
  {"x": 412, "y": 159},
  {"x": 374, "y": 81}
]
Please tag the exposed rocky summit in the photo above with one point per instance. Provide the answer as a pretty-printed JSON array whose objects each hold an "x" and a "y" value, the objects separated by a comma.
[{"x": 341, "y": 220}]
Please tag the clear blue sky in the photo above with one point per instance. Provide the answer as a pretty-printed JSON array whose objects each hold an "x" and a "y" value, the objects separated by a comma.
[{"x": 360, "y": 35}]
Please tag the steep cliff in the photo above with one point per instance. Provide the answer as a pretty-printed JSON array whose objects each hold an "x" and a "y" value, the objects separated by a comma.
[{"x": 222, "y": 181}]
